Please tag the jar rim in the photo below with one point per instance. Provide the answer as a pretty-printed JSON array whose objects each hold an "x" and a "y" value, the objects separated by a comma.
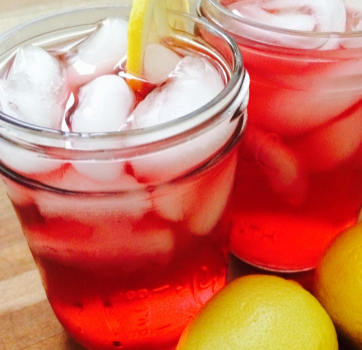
[
  {"x": 321, "y": 35},
  {"x": 173, "y": 128}
]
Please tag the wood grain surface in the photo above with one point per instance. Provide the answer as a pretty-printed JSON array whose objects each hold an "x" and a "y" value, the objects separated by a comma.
[{"x": 26, "y": 318}]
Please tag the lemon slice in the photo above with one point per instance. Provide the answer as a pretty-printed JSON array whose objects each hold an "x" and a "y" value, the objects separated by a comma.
[
  {"x": 182, "y": 5},
  {"x": 148, "y": 19}
]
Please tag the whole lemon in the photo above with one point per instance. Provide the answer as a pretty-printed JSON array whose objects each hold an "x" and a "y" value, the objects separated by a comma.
[
  {"x": 338, "y": 284},
  {"x": 260, "y": 312}
]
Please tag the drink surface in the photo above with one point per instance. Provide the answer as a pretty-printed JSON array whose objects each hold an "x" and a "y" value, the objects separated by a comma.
[
  {"x": 300, "y": 163},
  {"x": 128, "y": 249}
]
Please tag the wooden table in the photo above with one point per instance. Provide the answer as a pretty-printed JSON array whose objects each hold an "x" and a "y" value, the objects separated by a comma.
[{"x": 26, "y": 318}]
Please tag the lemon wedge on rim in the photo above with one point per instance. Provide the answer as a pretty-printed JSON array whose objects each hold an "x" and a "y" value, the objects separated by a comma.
[{"x": 146, "y": 18}]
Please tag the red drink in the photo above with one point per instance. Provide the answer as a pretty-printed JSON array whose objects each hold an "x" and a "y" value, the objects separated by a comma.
[
  {"x": 119, "y": 279},
  {"x": 300, "y": 163},
  {"x": 129, "y": 230}
]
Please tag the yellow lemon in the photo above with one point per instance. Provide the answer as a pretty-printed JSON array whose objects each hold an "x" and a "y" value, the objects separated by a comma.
[
  {"x": 338, "y": 284},
  {"x": 148, "y": 18},
  {"x": 259, "y": 312}
]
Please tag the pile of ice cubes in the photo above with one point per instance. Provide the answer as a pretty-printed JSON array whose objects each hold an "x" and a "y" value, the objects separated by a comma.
[
  {"x": 88, "y": 82},
  {"x": 322, "y": 16}
]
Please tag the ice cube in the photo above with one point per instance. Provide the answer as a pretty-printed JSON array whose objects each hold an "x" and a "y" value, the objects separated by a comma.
[
  {"x": 35, "y": 90},
  {"x": 104, "y": 105},
  {"x": 193, "y": 83},
  {"x": 189, "y": 198},
  {"x": 176, "y": 201},
  {"x": 110, "y": 228},
  {"x": 159, "y": 62},
  {"x": 71, "y": 179},
  {"x": 136, "y": 244},
  {"x": 90, "y": 208},
  {"x": 100, "y": 53},
  {"x": 354, "y": 14},
  {"x": 26, "y": 161},
  {"x": 106, "y": 172},
  {"x": 150, "y": 241},
  {"x": 107, "y": 175},
  {"x": 333, "y": 144},
  {"x": 276, "y": 17},
  {"x": 354, "y": 23},
  {"x": 299, "y": 15},
  {"x": 281, "y": 165},
  {"x": 213, "y": 196},
  {"x": 291, "y": 97},
  {"x": 288, "y": 111},
  {"x": 181, "y": 159}
]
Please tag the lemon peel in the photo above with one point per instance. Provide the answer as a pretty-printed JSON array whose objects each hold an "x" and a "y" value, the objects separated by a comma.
[
  {"x": 148, "y": 19},
  {"x": 338, "y": 284},
  {"x": 260, "y": 312}
]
